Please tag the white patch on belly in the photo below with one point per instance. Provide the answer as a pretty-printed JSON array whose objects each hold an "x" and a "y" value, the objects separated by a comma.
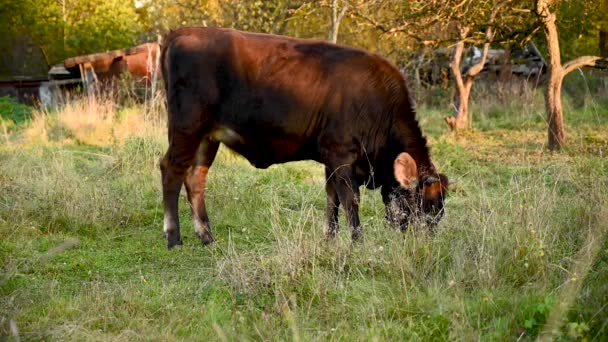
[{"x": 227, "y": 136}]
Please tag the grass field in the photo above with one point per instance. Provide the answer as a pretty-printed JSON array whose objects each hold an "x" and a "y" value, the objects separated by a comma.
[{"x": 522, "y": 252}]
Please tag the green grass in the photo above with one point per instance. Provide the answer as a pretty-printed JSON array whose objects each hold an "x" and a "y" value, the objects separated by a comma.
[{"x": 82, "y": 254}]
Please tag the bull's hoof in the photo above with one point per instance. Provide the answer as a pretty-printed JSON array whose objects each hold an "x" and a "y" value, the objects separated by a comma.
[
  {"x": 173, "y": 243},
  {"x": 206, "y": 238},
  {"x": 173, "y": 240},
  {"x": 432, "y": 228},
  {"x": 357, "y": 235},
  {"x": 330, "y": 235}
]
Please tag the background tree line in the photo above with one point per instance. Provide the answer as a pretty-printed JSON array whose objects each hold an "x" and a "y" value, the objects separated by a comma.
[
  {"x": 65, "y": 28},
  {"x": 57, "y": 29}
]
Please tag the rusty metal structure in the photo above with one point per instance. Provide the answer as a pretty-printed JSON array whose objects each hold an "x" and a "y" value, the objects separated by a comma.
[
  {"x": 87, "y": 72},
  {"x": 139, "y": 61}
]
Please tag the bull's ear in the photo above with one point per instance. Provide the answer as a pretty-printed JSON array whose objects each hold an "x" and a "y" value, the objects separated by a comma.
[{"x": 406, "y": 171}]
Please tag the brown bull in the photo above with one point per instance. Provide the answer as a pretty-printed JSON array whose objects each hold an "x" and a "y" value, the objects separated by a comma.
[{"x": 277, "y": 99}]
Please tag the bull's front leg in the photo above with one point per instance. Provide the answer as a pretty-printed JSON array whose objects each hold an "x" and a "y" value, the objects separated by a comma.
[{"x": 331, "y": 210}]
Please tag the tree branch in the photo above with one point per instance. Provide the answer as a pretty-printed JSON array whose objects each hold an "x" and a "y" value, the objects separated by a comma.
[
  {"x": 579, "y": 62},
  {"x": 477, "y": 68},
  {"x": 406, "y": 28}
]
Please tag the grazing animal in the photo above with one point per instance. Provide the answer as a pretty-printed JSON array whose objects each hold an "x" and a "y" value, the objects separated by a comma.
[{"x": 276, "y": 99}]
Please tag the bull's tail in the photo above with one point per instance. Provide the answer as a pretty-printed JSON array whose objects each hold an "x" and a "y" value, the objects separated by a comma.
[{"x": 164, "y": 67}]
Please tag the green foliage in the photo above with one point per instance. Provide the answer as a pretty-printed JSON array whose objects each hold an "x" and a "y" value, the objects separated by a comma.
[
  {"x": 93, "y": 26},
  {"x": 69, "y": 28},
  {"x": 26, "y": 21},
  {"x": 256, "y": 15},
  {"x": 579, "y": 24},
  {"x": 577, "y": 330},
  {"x": 13, "y": 113},
  {"x": 538, "y": 314},
  {"x": 158, "y": 16}
]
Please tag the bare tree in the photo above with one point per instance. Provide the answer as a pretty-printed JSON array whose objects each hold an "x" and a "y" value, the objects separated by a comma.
[
  {"x": 338, "y": 10},
  {"x": 464, "y": 83},
  {"x": 546, "y": 11},
  {"x": 457, "y": 23}
]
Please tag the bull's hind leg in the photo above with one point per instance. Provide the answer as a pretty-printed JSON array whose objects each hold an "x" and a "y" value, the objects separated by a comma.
[
  {"x": 187, "y": 122},
  {"x": 173, "y": 169},
  {"x": 196, "y": 179}
]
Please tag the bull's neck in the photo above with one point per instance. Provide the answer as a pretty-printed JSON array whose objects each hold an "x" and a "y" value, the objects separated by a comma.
[{"x": 410, "y": 139}]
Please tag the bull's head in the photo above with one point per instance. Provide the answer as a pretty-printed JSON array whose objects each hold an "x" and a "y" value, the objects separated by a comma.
[{"x": 420, "y": 196}]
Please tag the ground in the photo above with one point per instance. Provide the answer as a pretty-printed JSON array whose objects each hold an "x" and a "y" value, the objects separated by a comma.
[{"x": 522, "y": 248}]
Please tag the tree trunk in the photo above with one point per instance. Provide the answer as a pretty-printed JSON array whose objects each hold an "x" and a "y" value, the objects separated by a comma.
[
  {"x": 337, "y": 14},
  {"x": 553, "y": 92},
  {"x": 461, "y": 120},
  {"x": 463, "y": 87},
  {"x": 505, "y": 65},
  {"x": 556, "y": 74},
  {"x": 463, "y": 90},
  {"x": 555, "y": 115},
  {"x": 461, "y": 117},
  {"x": 604, "y": 43},
  {"x": 604, "y": 31}
]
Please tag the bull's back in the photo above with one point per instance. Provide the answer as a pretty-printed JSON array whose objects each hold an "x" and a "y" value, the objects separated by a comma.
[{"x": 272, "y": 97}]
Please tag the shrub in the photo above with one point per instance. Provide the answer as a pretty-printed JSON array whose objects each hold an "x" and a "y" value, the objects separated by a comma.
[{"x": 13, "y": 113}]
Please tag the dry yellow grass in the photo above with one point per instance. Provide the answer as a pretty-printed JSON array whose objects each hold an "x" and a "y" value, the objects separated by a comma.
[{"x": 95, "y": 121}]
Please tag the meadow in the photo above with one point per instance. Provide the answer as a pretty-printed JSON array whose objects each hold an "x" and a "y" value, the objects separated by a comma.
[{"x": 521, "y": 254}]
